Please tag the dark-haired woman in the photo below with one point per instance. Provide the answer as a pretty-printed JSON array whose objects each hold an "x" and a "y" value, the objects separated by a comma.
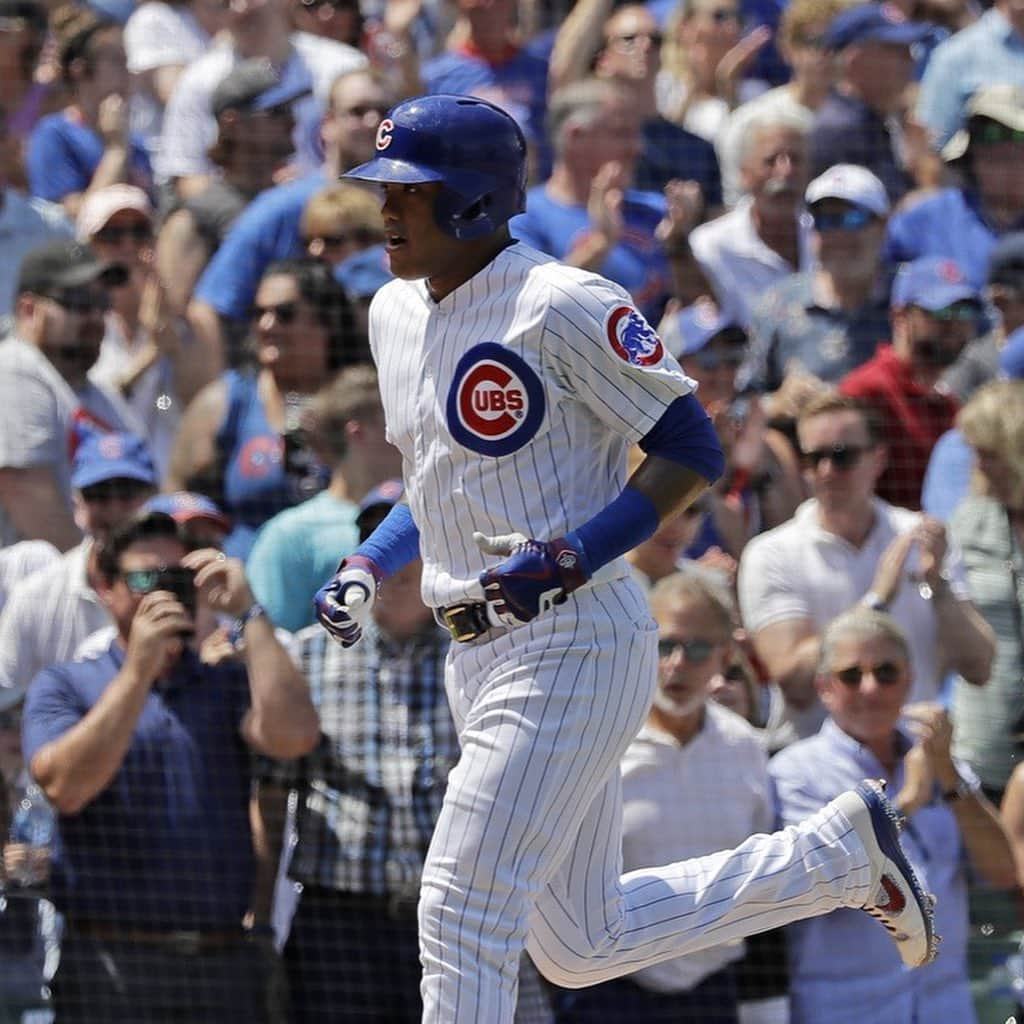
[
  {"x": 241, "y": 439},
  {"x": 87, "y": 145}
]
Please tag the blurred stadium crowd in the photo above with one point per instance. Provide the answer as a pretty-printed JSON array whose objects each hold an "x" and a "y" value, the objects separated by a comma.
[{"x": 212, "y": 813}]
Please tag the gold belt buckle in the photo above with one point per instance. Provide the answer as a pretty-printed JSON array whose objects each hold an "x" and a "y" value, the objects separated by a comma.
[{"x": 459, "y": 634}]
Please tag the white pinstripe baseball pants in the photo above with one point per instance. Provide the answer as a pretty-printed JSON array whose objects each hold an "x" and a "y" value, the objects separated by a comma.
[{"x": 527, "y": 850}]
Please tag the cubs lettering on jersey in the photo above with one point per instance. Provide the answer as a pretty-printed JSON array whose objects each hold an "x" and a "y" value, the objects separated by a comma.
[
  {"x": 632, "y": 337},
  {"x": 495, "y": 402}
]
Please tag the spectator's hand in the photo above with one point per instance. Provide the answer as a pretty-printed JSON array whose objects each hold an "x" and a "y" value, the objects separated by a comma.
[
  {"x": 30, "y": 865},
  {"x": 721, "y": 562},
  {"x": 685, "y": 206},
  {"x": 737, "y": 61},
  {"x": 604, "y": 208},
  {"x": 153, "y": 314},
  {"x": 932, "y": 544},
  {"x": 112, "y": 120},
  {"x": 217, "y": 647},
  {"x": 156, "y": 634},
  {"x": 890, "y": 571},
  {"x": 221, "y": 581},
  {"x": 798, "y": 388},
  {"x": 918, "y": 781},
  {"x": 748, "y": 448},
  {"x": 931, "y": 725},
  {"x": 400, "y": 15}
]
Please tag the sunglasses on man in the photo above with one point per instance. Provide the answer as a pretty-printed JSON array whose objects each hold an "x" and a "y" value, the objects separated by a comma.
[
  {"x": 842, "y": 456},
  {"x": 138, "y": 233},
  {"x": 989, "y": 133},
  {"x": 852, "y": 219},
  {"x": 285, "y": 313},
  {"x": 80, "y": 300}
]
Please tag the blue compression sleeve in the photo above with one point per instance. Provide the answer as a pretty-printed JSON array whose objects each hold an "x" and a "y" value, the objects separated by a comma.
[
  {"x": 629, "y": 520},
  {"x": 395, "y": 542},
  {"x": 685, "y": 434}
]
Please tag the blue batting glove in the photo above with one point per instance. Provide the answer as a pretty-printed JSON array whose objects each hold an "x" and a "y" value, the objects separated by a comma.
[
  {"x": 534, "y": 576},
  {"x": 344, "y": 602}
]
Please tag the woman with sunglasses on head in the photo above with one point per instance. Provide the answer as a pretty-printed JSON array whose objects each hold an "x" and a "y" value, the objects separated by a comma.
[
  {"x": 839, "y": 972},
  {"x": 243, "y": 440},
  {"x": 989, "y": 528}
]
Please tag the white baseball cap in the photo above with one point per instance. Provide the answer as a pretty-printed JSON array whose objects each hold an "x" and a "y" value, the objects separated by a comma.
[
  {"x": 852, "y": 183},
  {"x": 99, "y": 206}
]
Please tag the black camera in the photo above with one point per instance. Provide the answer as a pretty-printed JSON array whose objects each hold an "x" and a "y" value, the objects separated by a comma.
[{"x": 181, "y": 582}]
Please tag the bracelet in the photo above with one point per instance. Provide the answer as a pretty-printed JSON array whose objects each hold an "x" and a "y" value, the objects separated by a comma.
[{"x": 236, "y": 637}]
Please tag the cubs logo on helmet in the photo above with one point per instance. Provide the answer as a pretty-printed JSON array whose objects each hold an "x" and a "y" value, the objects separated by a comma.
[
  {"x": 384, "y": 130},
  {"x": 632, "y": 337},
  {"x": 495, "y": 402}
]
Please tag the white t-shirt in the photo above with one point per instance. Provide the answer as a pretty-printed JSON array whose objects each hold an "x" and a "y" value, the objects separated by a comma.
[
  {"x": 21, "y": 560},
  {"x": 738, "y": 264},
  {"x": 158, "y": 35},
  {"x": 190, "y": 128},
  {"x": 800, "y": 571},
  {"x": 47, "y": 616},
  {"x": 688, "y": 801}
]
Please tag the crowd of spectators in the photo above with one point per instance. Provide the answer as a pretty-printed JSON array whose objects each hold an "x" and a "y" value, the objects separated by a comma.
[{"x": 212, "y": 813}]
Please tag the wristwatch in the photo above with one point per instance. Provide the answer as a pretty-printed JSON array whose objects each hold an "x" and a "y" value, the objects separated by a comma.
[
  {"x": 874, "y": 601},
  {"x": 961, "y": 790},
  {"x": 236, "y": 635}
]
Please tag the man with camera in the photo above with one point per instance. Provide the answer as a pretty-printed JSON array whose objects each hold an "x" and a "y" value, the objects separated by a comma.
[{"x": 144, "y": 752}]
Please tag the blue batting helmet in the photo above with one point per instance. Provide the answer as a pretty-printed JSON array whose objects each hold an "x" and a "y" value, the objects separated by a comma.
[{"x": 473, "y": 148}]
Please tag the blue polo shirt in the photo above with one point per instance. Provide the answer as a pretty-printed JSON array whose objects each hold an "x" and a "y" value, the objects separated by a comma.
[
  {"x": 265, "y": 231},
  {"x": 949, "y": 224},
  {"x": 637, "y": 262},
  {"x": 167, "y": 844},
  {"x": 847, "y": 131}
]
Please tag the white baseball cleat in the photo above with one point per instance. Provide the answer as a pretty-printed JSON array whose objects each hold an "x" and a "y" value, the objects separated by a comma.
[{"x": 899, "y": 901}]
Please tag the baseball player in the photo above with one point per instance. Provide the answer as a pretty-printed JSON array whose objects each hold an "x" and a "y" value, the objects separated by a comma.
[{"x": 513, "y": 386}]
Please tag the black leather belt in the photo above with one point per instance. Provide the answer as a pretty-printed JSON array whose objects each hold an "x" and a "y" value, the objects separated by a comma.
[{"x": 465, "y": 621}]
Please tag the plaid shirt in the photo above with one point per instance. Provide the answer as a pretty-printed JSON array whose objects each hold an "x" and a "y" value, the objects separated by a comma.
[{"x": 370, "y": 793}]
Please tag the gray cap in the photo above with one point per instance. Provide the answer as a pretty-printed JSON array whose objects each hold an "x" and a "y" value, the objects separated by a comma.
[
  {"x": 65, "y": 264},
  {"x": 254, "y": 85}
]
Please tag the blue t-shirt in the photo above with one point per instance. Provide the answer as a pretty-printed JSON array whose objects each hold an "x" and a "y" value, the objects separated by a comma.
[
  {"x": 518, "y": 85},
  {"x": 167, "y": 844},
  {"x": 947, "y": 480},
  {"x": 267, "y": 230},
  {"x": 256, "y": 484},
  {"x": 63, "y": 155},
  {"x": 637, "y": 262},
  {"x": 947, "y": 225},
  {"x": 296, "y": 552}
]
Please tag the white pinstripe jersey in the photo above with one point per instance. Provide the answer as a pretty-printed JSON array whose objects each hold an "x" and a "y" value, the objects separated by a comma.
[{"x": 513, "y": 401}]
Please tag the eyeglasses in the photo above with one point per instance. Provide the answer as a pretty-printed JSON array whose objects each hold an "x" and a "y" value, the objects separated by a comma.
[
  {"x": 696, "y": 652},
  {"x": 887, "y": 673},
  {"x": 988, "y": 133},
  {"x": 174, "y": 578},
  {"x": 115, "y": 235},
  {"x": 852, "y": 219},
  {"x": 628, "y": 40},
  {"x": 284, "y": 313},
  {"x": 118, "y": 489},
  {"x": 79, "y": 300},
  {"x": 712, "y": 358},
  {"x": 842, "y": 456},
  {"x": 963, "y": 312}
]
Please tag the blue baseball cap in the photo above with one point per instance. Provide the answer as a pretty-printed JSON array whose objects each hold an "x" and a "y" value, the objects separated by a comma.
[
  {"x": 184, "y": 506},
  {"x": 694, "y": 327},
  {"x": 1011, "y": 359},
  {"x": 871, "y": 22},
  {"x": 932, "y": 284},
  {"x": 103, "y": 457},
  {"x": 364, "y": 272}
]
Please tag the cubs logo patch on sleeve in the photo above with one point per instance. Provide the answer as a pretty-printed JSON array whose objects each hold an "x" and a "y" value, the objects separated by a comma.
[
  {"x": 495, "y": 402},
  {"x": 632, "y": 338}
]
